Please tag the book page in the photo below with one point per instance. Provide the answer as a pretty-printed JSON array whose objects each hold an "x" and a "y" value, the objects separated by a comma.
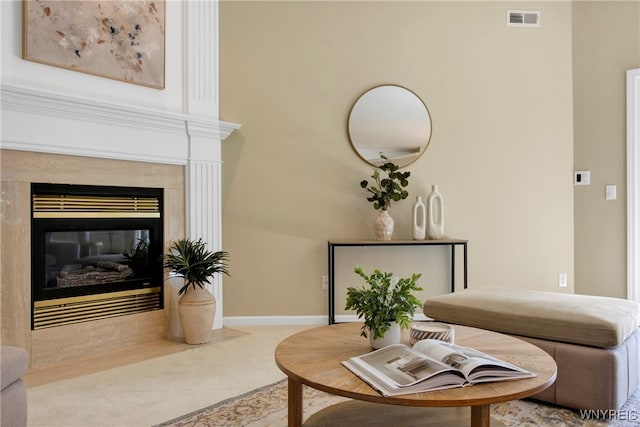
[
  {"x": 472, "y": 363},
  {"x": 403, "y": 365},
  {"x": 386, "y": 387}
]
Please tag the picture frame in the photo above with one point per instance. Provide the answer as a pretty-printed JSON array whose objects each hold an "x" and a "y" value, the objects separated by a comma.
[{"x": 120, "y": 39}]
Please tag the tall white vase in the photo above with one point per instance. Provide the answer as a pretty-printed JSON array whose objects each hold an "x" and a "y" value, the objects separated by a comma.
[
  {"x": 435, "y": 207},
  {"x": 419, "y": 219},
  {"x": 383, "y": 225}
]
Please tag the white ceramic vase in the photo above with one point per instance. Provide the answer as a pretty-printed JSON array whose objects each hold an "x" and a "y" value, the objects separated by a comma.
[
  {"x": 383, "y": 225},
  {"x": 435, "y": 214},
  {"x": 419, "y": 219},
  {"x": 392, "y": 336}
]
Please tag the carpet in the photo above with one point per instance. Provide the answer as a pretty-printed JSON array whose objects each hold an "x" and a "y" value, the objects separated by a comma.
[{"x": 267, "y": 407}]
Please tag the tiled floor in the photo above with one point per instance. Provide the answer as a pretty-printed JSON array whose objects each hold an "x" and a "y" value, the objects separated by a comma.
[{"x": 155, "y": 382}]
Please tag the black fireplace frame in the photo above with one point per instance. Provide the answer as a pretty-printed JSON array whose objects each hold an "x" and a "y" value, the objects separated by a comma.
[{"x": 153, "y": 278}]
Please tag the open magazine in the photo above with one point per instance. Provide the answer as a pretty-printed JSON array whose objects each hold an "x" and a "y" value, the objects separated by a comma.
[{"x": 429, "y": 365}]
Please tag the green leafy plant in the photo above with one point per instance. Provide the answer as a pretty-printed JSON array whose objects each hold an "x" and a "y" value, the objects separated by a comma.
[
  {"x": 192, "y": 260},
  {"x": 383, "y": 301},
  {"x": 384, "y": 190}
]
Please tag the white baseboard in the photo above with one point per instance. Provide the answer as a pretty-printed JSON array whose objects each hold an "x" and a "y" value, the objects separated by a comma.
[
  {"x": 343, "y": 318},
  {"x": 294, "y": 320},
  {"x": 274, "y": 320}
]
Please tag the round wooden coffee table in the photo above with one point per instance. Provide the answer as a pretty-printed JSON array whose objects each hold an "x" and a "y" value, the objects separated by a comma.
[{"x": 313, "y": 358}]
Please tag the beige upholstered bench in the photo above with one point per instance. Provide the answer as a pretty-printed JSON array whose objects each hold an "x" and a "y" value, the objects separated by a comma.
[{"x": 595, "y": 341}]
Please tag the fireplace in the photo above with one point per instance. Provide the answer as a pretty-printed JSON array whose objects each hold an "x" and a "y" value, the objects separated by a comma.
[{"x": 96, "y": 252}]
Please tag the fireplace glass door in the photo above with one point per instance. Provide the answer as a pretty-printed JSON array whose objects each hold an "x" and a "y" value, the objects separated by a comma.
[{"x": 96, "y": 257}]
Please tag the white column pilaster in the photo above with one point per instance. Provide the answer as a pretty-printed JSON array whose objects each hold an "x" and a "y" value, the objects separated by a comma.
[
  {"x": 203, "y": 170},
  {"x": 202, "y": 58}
]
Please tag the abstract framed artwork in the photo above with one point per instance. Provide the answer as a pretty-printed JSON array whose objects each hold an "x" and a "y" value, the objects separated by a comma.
[{"x": 117, "y": 39}]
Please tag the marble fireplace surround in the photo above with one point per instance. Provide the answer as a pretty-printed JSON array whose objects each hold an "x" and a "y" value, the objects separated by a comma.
[{"x": 48, "y": 137}]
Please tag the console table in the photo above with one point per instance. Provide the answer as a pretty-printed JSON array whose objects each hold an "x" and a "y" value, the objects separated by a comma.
[{"x": 452, "y": 243}]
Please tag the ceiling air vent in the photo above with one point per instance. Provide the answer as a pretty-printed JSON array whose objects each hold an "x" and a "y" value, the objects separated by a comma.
[{"x": 523, "y": 18}]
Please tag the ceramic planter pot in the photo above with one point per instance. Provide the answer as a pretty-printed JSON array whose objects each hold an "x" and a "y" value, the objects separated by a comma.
[
  {"x": 392, "y": 336},
  {"x": 196, "y": 310}
]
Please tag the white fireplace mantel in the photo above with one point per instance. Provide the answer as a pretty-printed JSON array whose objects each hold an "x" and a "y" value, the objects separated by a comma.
[{"x": 46, "y": 122}]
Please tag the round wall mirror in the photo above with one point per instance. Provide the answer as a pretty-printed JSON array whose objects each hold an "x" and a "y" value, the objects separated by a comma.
[{"x": 392, "y": 121}]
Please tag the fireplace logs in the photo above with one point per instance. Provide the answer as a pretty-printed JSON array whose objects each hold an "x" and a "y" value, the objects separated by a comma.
[{"x": 103, "y": 272}]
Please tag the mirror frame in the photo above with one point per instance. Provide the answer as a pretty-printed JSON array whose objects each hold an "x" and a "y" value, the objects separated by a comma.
[{"x": 429, "y": 125}]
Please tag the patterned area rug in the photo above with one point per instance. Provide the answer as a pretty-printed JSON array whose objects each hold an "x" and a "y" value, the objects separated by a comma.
[{"x": 267, "y": 407}]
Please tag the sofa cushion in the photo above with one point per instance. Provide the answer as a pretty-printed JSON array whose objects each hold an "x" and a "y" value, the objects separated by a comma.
[
  {"x": 578, "y": 319},
  {"x": 14, "y": 362}
]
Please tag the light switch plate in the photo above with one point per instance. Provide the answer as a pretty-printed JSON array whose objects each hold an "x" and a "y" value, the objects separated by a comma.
[{"x": 610, "y": 192}]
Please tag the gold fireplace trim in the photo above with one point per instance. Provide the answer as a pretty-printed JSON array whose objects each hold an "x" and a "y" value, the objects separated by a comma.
[
  {"x": 67, "y": 206},
  {"x": 63, "y": 311}
]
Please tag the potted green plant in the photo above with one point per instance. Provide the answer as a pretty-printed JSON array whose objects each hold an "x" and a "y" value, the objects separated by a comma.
[
  {"x": 382, "y": 191},
  {"x": 384, "y": 303},
  {"x": 197, "y": 265}
]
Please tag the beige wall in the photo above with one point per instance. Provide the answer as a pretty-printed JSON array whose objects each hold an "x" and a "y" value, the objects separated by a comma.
[
  {"x": 606, "y": 43},
  {"x": 501, "y": 151}
]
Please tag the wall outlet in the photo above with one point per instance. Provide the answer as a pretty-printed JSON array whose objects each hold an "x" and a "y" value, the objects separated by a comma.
[
  {"x": 562, "y": 280},
  {"x": 325, "y": 282}
]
